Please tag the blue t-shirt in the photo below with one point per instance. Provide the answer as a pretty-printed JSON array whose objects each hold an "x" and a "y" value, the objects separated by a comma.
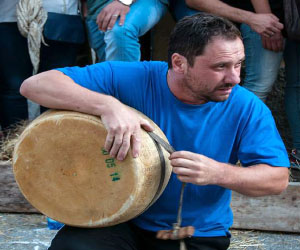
[{"x": 240, "y": 128}]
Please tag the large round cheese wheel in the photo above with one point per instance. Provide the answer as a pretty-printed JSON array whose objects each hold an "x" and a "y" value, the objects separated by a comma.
[{"x": 63, "y": 170}]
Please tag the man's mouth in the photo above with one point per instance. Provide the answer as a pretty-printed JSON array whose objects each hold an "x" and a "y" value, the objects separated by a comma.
[{"x": 225, "y": 90}]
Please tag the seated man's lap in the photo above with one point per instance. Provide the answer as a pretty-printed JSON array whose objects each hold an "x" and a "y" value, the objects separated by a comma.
[
  {"x": 119, "y": 237},
  {"x": 126, "y": 236}
]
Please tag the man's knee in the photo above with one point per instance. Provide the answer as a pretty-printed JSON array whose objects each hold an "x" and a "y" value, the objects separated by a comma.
[
  {"x": 108, "y": 238},
  {"x": 121, "y": 34}
]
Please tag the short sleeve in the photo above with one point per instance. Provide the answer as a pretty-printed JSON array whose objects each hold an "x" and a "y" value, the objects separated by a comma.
[
  {"x": 96, "y": 77},
  {"x": 260, "y": 141}
]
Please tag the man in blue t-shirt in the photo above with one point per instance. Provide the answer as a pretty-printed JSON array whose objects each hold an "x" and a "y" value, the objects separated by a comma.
[{"x": 208, "y": 118}]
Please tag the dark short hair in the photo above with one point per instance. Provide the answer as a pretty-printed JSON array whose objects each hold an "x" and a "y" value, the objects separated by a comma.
[{"x": 192, "y": 33}]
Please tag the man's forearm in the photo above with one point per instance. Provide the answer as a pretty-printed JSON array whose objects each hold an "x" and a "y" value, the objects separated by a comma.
[
  {"x": 257, "y": 180},
  {"x": 221, "y": 9},
  {"x": 261, "y": 6},
  {"x": 263, "y": 23},
  {"x": 53, "y": 89}
]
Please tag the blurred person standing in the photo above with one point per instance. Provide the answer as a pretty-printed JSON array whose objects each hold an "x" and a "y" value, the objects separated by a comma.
[
  {"x": 114, "y": 26},
  {"x": 16, "y": 60}
]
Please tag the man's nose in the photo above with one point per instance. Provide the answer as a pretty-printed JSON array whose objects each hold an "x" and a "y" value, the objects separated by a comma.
[{"x": 233, "y": 76}]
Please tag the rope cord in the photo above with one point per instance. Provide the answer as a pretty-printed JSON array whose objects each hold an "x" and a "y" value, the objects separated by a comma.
[
  {"x": 176, "y": 226},
  {"x": 31, "y": 18}
]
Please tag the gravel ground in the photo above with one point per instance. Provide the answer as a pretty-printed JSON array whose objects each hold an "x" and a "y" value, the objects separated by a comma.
[
  {"x": 24, "y": 232},
  {"x": 30, "y": 232}
]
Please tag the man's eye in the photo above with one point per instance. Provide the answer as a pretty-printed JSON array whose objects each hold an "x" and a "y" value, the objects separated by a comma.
[
  {"x": 221, "y": 66},
  {"x": 238, "y": 64}
]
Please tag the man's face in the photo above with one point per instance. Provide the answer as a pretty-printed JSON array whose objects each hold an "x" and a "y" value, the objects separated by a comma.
[{"x": 215, "y": 72}]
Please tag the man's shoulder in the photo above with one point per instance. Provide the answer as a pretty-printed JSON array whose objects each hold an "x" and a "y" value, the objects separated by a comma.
[
  {"x": 243, "y": 95},
  {"x": 246, "y": 100},
  {"x": 143, "y": 67},
  {"x": 137, "y": 64}
]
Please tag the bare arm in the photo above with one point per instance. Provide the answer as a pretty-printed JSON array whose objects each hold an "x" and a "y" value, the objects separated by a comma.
[
  {"x": 55, "y": 90},
  {"x": 261, "y": 6},
  {"x": 84, "y": 9},
  {"x": 222, "y": 9},
  {"x": 257, "y": 180},
  {"x": 263, "y": 24}
]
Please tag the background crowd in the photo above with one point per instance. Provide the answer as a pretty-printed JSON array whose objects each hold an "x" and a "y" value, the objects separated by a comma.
[{"x": 113, "y": 29}]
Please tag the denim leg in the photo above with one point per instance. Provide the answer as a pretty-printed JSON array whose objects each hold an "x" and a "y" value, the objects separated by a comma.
[
  {"x": 122, "y": 42},
  {"x": 15, "y": 67},
  {"x": 96, "y": 39},
  {"x": 292, "y": 91},
  {"x": 262, "y": 65},
  {"x": 57, "y": 55},
  {"x": 179, "y": 9}
]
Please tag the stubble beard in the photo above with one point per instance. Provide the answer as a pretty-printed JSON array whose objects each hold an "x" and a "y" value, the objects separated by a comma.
[{"x": 199, "y": 95}]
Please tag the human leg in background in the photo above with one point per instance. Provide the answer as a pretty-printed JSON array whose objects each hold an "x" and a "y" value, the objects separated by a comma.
[
  {"x": 179, "y": 9},
  {"x": 262, "y": 65},
  {"x": 96, "y": 39},
  {"x": 122, "y": 42},
  {"x": 292, "y": 91},
  {"x": 57, "y": 55},
  {"x": 15, "y": 67}
]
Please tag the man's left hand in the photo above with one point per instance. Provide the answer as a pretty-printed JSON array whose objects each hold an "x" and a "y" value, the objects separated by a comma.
[
  {"x": 108, "y": 16},
  {"x": 273, "y": 43},
  {"x": 195, "y": 168}
]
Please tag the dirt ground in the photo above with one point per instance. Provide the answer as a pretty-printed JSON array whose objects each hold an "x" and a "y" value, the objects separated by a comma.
[{"x": 30, "y": 232}]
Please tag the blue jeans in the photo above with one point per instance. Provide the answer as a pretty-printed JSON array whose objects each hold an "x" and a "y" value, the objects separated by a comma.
[
  {"x": 262, "y": 65},
  {"x": 292, "y": 90},
  {"x": 121, "y": 43},
  {"x": 179, "y": 9}
]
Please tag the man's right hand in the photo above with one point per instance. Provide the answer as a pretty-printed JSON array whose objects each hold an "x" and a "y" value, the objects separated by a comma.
[
  {"x": 265, "y": 24},
  {"x": 124, "y": 129}
]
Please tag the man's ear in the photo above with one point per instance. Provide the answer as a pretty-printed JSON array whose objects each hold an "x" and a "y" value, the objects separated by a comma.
[{"x": 179, "y": 63}]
